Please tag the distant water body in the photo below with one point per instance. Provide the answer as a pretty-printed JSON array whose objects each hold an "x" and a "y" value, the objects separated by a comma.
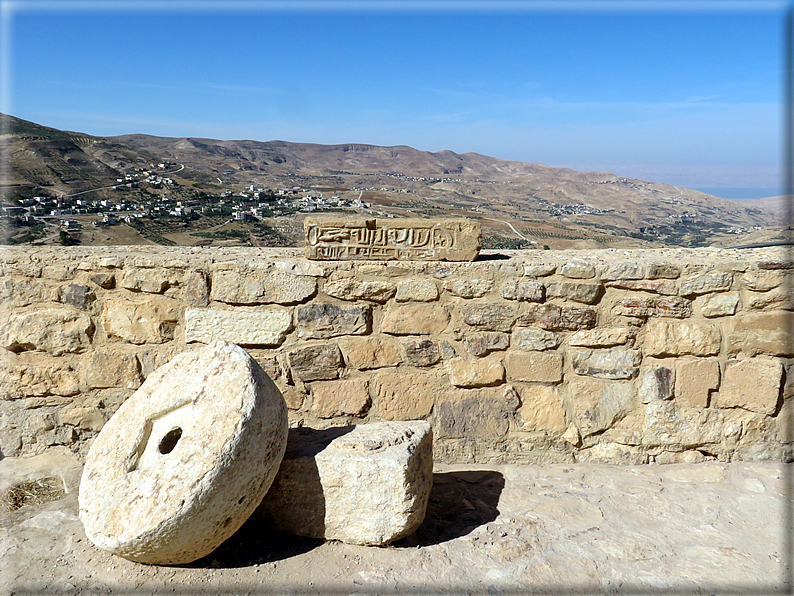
[{"x": 742, "y": 193}]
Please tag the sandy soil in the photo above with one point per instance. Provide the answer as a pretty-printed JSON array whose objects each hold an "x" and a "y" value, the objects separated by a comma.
[{"x": 577, "y": 529}]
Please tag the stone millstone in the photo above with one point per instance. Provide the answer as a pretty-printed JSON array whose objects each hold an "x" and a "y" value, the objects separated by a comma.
[
  {"x": 366, "y": 484},
  {"x": 186, "y": 459}
]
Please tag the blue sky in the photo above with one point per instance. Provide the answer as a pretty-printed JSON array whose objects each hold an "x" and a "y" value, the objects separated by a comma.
[{"x": 655, "y": 90}]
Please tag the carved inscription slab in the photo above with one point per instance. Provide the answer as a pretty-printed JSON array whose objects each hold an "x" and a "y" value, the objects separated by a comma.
[{"x": 336, "y": 238}]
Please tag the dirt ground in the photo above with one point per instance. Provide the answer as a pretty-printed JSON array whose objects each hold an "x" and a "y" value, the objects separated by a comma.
[{"x": 707, "y": 528}]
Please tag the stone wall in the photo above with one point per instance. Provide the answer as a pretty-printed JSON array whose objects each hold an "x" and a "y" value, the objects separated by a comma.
[{"x": 526, "y": 356}]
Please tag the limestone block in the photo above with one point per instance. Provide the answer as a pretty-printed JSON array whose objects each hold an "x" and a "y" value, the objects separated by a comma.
[
  {"x": 195, "y": 290},
  {"x": 694, "y": 379},
  {"x": 656, "y": 382},
  {"x": 540, "y": 367},
  {"x": 468, "y": 288},
  {"x": 670, "y": 425},
  {"x": 186, "y": 459},
  {"x": 56, "y": 331},
  {"x": 752, "y": 384},
  {"x": 762, "y": 280},
  {"x": 149, "y": 319},
  {"x": 762, "y": 333},
  {"x": 22, "y": 379},
  {"x": 541, "y": 408},
  {"x": 622, "y": 271},
  {"x": 719, "y": 305},
  {"x": 777, "y": 298},
  {"x": 329, "y": 238},
  {"x": 482, "y": 413},
  {"x": 539, "y": 270},
  {"x": 478, "y": 372},
  {"x": 324, "y": 320},
  {"x": 300, "y": 268},
  {"x": 254, "y": 286},
  {"x": 421, "y": 352},
  {"x": 111, "y": 368},
  {"x": 415, "y": 319},
  {"x": 367, "y": 484},
  {"x": 596, "y": 405},
  {"x": 666, "y": 287},
  {"x": 676, "y": 338},
  {"x": 402, "y": 395},
  {"x": 316, "y": 363},
  {"x": 349, "y": 397},
  {"x": 24, "y": 292},
  {"x": 104, "y": 280},
  {"x": 247, "y": 326},
  {"x": 480, "y": 344},
  {"x": 531, "y": 339},
  {"x": 76, "y": 295},
  {"x": 601, "y": 337},
  {"x": 416, "y": 290},
  {"x": 706, "y": 282},
  {"x": 588, "y": 293},
  {"x": 606, "y": 363},
  {"x": 354, "y": 289},
  {"x": 552, "y": 317},
  {"x": 84, "y": 418},
  {"x": 665, "y": 306},
  {"x": 366, "y": 353},
  {"x": 155, "y": 281},
  {"x": 663, "y": 271},
  {"x": 523, "y": 290},
  {"x": 489, "y": 316},
  {"x": 578, "y": 270}
]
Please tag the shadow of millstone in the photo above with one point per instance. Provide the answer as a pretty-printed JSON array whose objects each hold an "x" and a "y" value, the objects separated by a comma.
[{"x": 459, "y": 503}]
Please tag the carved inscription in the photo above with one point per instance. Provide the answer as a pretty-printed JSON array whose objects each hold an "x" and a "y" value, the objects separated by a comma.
[{"x": 386, "y": 239}]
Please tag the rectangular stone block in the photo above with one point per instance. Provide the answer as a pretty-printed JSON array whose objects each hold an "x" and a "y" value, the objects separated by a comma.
[
  {"x": 254, "y": 286},
  {"x": 587, "y": 293},
  {"x": 752, "y": 384},
  {"x": 367, "y": 484},
  {"x": 316, "y": 363},
  {"x": 324, "y": 320},
  {"x": 666, "y": 306},
  {"x": 540, "y": 367},
  {"x": 340, "y": 238},
  {"x": 349, "y": 397},
  {"x": 557, "y": 318},
  {"x": 676, "y": 338},
  {"x": 480, "y": 372},
  {"x": 606, "y": 363},
  {"x": 415, "y": 319},
  {"x": 366, "y": 353},
  {"x": 762, "y": 333},
  {"x": 245, "y": 326},
  {"x": 694, "y": 379}
]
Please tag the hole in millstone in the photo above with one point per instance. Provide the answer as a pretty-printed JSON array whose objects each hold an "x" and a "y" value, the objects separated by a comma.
[
  {"x": 240, "y": 502},
  {"x": 169, "y": 441}
]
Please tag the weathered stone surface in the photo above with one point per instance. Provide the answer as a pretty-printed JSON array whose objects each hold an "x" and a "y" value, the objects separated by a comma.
[
  {"x": 112, "y": 368},
  {"x": 657, "y": 286},
  {"x": 247, "y": 326},
  {"x": 606, "y": 363},
  {"x": 104, "y": 280},
  {"x": 762, "y": 333},
  {"x": 243, "y": 286},
  {"x": 752, "y": 384},
  {"x": 762, "y": 280},
  {"x": 23, "y": 292},
  {"x": 541, "y": 408},
  {"x": 541, "y": 367},
  {"x": 588, "y": 293},
  {"x": 479, "y": 372},
  {"x": 185, "y": 460},
  {"x": 616, "y": 271},
  {"x": 522, "y": 289},
  {"x": 139, "y": 320},
  {"x": 663, "y": 271},
  {"x": 20, "y": 379},
  {"x": 694, "y": 380},
  {"x": 354, "y": 289},
  {"x": 56, "y": 331},
  {"x": 578, "y": 270},
  {"x": 369, "y": 352},
  {"x": 480, "y": 344},
  {"x": 719, "y": 305},
  {"x": 367, "y": 484},
  {"x": 601, "y": 337},
  {"x": 324, "y": 320},
  {"x": 596, "y": 405},
  {"x": 316, "y": 363},
  {"x": 421, "y": 352},
  {"x": 335, "y": 238},
  {"x": 401, "y": 395},
  {"x": 468, "y": 288},
  {"x": 76, "y": 295},
  {"x": 84, "y": 418},
  {"x": 705, "y": 283},
  {"x": 154, "y": 281},
  {"x": 416, "y": 290},
  {"x": 489, "y": 316},
  {"x": 484, "y": 412},
  {"x": 535, "y": 339},
  {"x": 676, "y": 338},
  {"x": 656, "y": 382},
  {"x": 195, "y": 290},
  {"x": 667, "y": 424},
  {"x": 557, "y": 318},
  {"x": 415, "y": 319},
  {"x": 349, "y": 397},
  {"x": 777, "y": 298},
  {"x": 666, "y": 306},
  {"x": 539, "y": 269}
]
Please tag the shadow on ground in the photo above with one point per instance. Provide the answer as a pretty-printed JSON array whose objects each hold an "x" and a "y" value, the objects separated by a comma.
[{"x": 459, "y": 503}]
